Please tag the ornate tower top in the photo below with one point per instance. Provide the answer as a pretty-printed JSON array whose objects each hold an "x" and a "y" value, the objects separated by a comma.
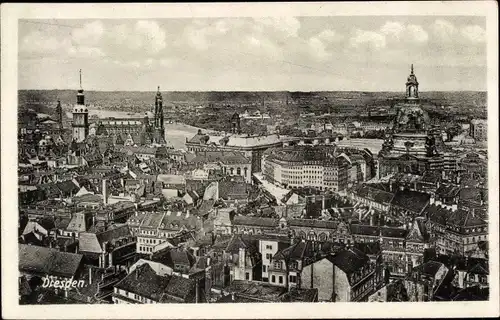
[{"x": 412, "y": 85}]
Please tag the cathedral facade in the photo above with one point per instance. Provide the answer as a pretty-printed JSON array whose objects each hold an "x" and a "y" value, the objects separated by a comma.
[{"x": 413, "y": 145}]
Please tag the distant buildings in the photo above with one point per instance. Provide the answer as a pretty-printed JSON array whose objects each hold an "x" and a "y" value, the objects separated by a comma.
[{"x": 251, "y": 146}]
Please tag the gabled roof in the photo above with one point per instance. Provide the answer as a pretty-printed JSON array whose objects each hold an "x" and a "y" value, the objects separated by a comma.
[
  {"x": 465, "y": 218},
  {"x": 349, "y": 260},
  {"x": 46, "y": 261},
  {"x": 237, "y": 242},
  {"x": 429, "y": 268},
  {"x": 145, "y": 282},
  {"x": 93, "y": 242}
]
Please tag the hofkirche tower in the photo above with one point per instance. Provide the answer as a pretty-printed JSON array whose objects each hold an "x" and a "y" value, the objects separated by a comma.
[
  {"x": 158, "y": 124},
  {"x": 411, "y": 145}
]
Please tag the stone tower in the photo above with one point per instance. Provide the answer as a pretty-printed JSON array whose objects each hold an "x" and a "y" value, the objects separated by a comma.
[
  {"x": 158, "y": 125},
  {"x": 80, "y": 116}
]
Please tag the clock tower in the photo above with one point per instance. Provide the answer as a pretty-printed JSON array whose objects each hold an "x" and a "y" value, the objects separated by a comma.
[{"x": 80, "y": 116}]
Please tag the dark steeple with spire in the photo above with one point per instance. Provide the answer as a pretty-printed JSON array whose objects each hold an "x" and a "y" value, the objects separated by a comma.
[
  {"x": 80, "y": 97},
  {"x": 159, "y": 127}
]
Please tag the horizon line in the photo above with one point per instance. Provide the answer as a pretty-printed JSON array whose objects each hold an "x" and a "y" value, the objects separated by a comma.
[{"x": 305, "y": 91}]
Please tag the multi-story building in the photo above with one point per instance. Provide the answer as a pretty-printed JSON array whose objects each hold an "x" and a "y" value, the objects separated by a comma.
[
  {"x": 319, "y": 167},
  {"x": 453, "y": 230},
  {"x": 153, "y": 229},
  {"x": 229, "y": 162},
  {"x": 345, "y": 276},
  {"x": 479, "y": 129}
]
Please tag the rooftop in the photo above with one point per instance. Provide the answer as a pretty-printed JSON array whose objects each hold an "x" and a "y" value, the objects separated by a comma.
[{"x": 46, "y": 261}]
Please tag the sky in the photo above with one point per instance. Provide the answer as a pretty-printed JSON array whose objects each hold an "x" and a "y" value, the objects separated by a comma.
[{"x": 254, "y": 54}]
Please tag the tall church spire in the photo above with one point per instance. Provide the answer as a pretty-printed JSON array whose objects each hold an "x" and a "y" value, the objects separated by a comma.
[{"x": 80, "y": 98}]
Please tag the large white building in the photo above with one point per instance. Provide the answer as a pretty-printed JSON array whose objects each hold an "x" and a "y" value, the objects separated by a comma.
[{"x": 320, "y": 167}]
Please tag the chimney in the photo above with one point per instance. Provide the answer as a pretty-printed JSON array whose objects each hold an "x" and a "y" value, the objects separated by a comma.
[{"x": 105, "y": 191}]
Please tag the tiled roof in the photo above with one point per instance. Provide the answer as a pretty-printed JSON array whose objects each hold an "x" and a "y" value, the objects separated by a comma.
[
  {"x": 349, "y": 260},
  {"x": 181, "y": 288},
  {"x": 92, "y": 242},
  {"x": 233, "y": 190},
  {"x": 465, "y": 218},
  {"x": 145, "y": 282},
  {"x": 78, "y": 223},
  {"x": 227, "y": 157},
  {"x": 368, "y": 248},
  {"x": 437, "y": 214},
  {"x": 238, "y": 242},
  {"x": 429, "y": 268},
  {"x": 297, "y": 251},
  {"x": 411, "y": 200},
  {"x": 393, "y": 232},
  {"x": 255, "y": 221},
  {"x": 358, "y": 229},
  {"x": 473, "y": 194},
  {"x": 313, "y": 223},
  {"x": 375, "y": 194},
  {"x": 448, "y": 190},
  {"x": 46, "y": 261}
]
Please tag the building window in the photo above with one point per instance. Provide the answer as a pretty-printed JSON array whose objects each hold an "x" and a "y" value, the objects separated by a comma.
[
  {"x": 264, "y": 268},
  {"x": 269, "y": 256},
  {"x": 247, "y": 276},
  {"x": 280, "y": 279},
  {"x": 269, "y": 247},
  {"x": 293, "y": 279},
  {"x": 273, "y": 279}
]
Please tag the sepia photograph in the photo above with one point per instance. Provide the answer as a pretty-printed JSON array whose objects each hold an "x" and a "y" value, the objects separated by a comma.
[{"x": 223, "y": 154}]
